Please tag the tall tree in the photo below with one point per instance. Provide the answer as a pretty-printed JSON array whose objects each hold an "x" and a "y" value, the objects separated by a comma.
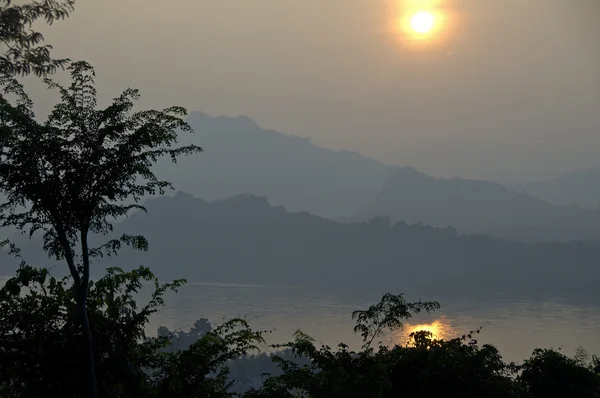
[
  {"x": 73, "y": 175},
  {"x": 25, "y": 52}
]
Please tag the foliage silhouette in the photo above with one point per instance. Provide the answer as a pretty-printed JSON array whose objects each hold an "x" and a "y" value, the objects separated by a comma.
[
  {"x": 70, "y": 176},
  {"x": 551, "y": 374},
  {"x": 388, "y": 314},
  {"x": 25, "y": 53},
  {"x": 39, "y": 336},
  {"x": 41, "y": 342}
]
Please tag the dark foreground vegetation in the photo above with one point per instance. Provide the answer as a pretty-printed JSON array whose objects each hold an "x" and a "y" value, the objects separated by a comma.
[{"x": 41, "y": 352}]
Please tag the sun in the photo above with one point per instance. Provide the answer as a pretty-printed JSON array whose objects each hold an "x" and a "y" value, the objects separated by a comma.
[
  {"x": 422, "y": 22},
  {"x": 427, "y": 26}
]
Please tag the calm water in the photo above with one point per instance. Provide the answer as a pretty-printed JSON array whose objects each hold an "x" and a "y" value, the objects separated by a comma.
[{"x": 515, "y": 324}]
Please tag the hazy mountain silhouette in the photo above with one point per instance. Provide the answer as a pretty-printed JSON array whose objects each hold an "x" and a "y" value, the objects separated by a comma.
[
  {"x": 246, "y": 240},
  {"x": 240, "y": 157},
  {"x": 479, "y": 206},
  {"x": 580, "y": 187}
]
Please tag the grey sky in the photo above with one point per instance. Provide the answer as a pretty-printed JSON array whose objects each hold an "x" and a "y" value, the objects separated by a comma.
[{"x": 508, "y": 87}]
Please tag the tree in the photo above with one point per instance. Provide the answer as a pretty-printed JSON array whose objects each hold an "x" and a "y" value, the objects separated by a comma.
[
  {"x": 37, "y": 329},
  {"x": 343, "y": 373},
  {"x": 323, "y": 372},
  {"x": 388, "y": 314},
  {"x": 549, "y": 373},
  {"x": 70, "y": 176},
  {"x": 38, "y": 321},
  {"x": 182, "y": 340},
  {"x": 25, "y": 54},
  {"x": 201, "y": 370}
]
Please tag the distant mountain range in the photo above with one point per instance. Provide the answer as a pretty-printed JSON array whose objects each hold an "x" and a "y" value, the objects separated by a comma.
[
  {"x": 240, "y": 157},
  {"x": 580, "y": 187},
  {"x": 479, "y": 207},
  {"x": 246, "y": 240}
]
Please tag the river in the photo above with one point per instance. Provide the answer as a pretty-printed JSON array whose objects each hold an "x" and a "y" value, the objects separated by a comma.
[{"x": 514, "y": 324}]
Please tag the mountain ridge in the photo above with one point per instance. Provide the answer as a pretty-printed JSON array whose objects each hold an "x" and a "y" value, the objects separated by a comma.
[
  {"x": 475, "y": 206},
  {"x": 581, "y": 187},
  {"x": 241, "y": 157}
]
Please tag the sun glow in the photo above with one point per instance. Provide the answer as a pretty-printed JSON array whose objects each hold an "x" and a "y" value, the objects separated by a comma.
[
  {"x": 434, "y": 328},
  {"x": 440, "y": 329},
  {"x": 422, "y": 22}
]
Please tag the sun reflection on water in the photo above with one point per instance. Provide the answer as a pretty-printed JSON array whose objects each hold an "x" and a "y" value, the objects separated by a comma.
[{"x": 441, "y": 329}]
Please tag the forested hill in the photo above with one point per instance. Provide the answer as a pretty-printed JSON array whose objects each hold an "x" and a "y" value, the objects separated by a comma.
[{"x": 246, "y": 240}]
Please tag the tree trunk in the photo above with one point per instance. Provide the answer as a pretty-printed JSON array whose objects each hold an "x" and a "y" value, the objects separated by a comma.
[
  {"x": 89, "y": 343},
  {"x": 81, "y": 292},
  {"x": 85, "y": 322}
]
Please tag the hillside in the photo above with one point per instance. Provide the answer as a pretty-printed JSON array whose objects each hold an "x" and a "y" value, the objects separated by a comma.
[
  {"x": 240, "y": 157},
  {"x": 479, "y": 206},
  {"x": 246, "y": 240},
  {"x": 580, "y": 187}
]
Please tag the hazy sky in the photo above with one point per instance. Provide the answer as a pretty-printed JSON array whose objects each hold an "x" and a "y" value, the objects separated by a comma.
[{"x": 501, "y": 88}]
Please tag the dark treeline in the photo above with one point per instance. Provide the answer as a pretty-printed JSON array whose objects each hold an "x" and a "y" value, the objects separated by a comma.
[{"x": 245, "y": 240}]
